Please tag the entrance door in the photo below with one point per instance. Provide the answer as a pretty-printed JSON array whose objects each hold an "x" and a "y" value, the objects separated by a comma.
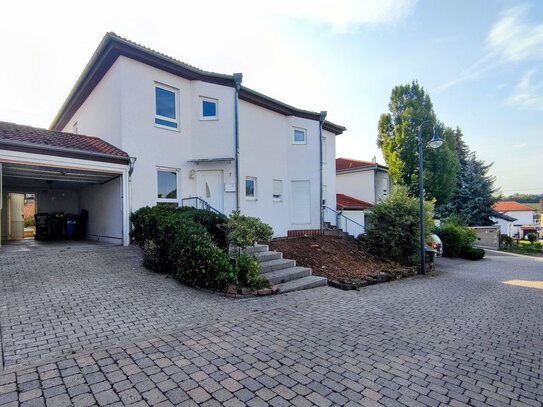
[
  {"x": 210, "y": 188},
  {"x": 16, "y": 216}
]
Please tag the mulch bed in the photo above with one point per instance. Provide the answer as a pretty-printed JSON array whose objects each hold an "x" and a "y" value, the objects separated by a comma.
[{"x": 340, "y": 259}]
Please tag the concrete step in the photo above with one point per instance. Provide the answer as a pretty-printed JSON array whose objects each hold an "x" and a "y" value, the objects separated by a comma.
[
  {"x": 257, "y": 249},
  {"x": 278, "y": 264},
  {"x": 267, "y": 256},
  {"x": 289, "y": 274},
  {"x": 302, "y": 284}
]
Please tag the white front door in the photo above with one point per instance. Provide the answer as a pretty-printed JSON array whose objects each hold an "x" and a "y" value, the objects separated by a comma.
[
  {"x": 16, "y": 216},
  {"x": 210, "y": 188}
]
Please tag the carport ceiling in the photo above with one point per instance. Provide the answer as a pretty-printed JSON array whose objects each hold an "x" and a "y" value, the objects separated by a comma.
[{"x": 25, "y": 174}]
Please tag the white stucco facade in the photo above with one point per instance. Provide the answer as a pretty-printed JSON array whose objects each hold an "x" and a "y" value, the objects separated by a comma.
[
  {"x": 370, "y": 185},
  {"x": 513, "y": 228},
  {"x": 121, "y": 110}
]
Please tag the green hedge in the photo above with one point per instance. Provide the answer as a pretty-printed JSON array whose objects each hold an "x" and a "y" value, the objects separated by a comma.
[
  {"x": 458, "y": 241},
  {"x": 192, "y": 245}
]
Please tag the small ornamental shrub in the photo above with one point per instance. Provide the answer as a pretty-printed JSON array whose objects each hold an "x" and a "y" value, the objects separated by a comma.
[
  {"x": 393, "y": 228},
  {"x": 505, "y": 242},
  {"x": 244, "y": 231},
  {"x": 248, "y": 272},
  {"x": 456, "y": 239},
  {"x": 533, "y": 238},
  {"x": 473, "y": 253}
]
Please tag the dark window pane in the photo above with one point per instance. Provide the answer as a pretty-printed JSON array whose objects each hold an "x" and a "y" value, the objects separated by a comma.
[
  {"x": 209, "y": 109},
  {"x": 165, "y": 103},
  {"x": 167, "y": 184},
  {"x": 250, "y": 188},
  {"x": 166, "y": 123}
]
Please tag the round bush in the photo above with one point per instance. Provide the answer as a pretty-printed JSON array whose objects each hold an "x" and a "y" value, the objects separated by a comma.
[{"x": 473, "y": 253}]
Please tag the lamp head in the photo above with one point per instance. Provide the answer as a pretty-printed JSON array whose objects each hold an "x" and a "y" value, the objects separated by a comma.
[{"x": 436, "y": 142}]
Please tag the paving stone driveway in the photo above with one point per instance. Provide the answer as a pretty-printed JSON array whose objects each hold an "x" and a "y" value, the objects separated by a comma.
[{"x": 459, "y": 338}]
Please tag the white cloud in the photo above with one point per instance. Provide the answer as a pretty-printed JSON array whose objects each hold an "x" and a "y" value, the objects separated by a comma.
[
  {"x": 528, "y": 93},
  {"x": 513, "y": 38}
]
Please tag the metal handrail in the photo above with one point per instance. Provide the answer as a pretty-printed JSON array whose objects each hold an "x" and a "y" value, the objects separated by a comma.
[
  {"x": 342, "y": 222},
  {"x": 199, "y": 203}
]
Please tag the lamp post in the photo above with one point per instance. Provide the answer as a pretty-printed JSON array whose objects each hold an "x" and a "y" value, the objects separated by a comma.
[{"x": 434, "y": 143}]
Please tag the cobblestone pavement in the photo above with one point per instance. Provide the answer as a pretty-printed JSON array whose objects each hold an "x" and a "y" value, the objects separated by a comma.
[{"x": 461, "y": 337}]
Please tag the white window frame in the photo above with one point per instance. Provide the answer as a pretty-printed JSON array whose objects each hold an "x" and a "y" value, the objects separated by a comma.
[
  {"x": 280, "y": 199},
  {"x": 294, "y": 130},
  {"x": 168, "y": 119},
  {"x": 212, "y": 100},
  {"x": 255, "y": 188},
  {"x": 177, "y": 179}
]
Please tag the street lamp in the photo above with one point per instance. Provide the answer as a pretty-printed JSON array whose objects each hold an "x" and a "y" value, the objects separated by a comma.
[{"x": 434, "y": 143}]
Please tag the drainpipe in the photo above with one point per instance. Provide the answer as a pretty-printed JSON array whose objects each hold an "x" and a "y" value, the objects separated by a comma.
[
  {"x": 132, "y": 161},
  {"x": 237, "y": 82},
  {"x": 322, "y": 118}
]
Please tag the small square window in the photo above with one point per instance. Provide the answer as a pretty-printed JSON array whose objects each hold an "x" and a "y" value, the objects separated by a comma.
[
  {"x": 166, "y": 100},
  {"x": 209, "y": 109},
  {"x": 277, "y": 190},
  {"x": 250, "y": 188},
  {"x": 167, "y": 186},
  {"x": 299, "y": 136}
]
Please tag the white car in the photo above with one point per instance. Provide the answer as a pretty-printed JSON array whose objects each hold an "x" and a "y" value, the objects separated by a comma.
[{"x": 436, "y": 244}]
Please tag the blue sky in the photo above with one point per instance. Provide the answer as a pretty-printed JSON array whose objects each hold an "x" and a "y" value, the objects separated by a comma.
[{"x": 480, "y": 60}]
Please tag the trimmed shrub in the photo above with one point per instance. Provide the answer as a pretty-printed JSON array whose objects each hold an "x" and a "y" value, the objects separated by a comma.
[
  {"x": 174, "y": 243},
  {"x": 393, "y": 228},
  {"x": 505, "y": 242},
  {"x": 456, "y": 239},
  {"x": 473, "y": 253},
  {"x": 248, "y": 272},
  {"x": 214, "y": 223},
  {"x": 244, "y": 231}
]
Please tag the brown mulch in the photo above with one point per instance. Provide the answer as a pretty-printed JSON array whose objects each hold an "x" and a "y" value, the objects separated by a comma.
[{"x": 334, "y": 257}]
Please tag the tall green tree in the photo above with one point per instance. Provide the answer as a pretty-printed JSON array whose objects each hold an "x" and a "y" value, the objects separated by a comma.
[
  {"x": 473, "y": 196},
  {"x": 410, "y": 106}
]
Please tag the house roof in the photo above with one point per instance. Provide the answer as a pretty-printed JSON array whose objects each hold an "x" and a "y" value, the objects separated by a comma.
[
  {"x": 511, "y": 206},
  {"x": 348, "y": 164},
  {"x": 112, "y": 46},
  {"x": 504, "y": 217},
  {"x": 346, "y": 202},
  {"x": 17, "y": 137}
]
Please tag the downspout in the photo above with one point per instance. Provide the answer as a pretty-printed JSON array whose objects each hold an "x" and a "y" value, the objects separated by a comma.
[
  {"x": 322, "y": 118},
  {"x": 130, "y": 171},
  {"x": 237, "y": 82}
]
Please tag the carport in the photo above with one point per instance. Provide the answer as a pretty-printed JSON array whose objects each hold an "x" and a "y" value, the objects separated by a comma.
[{"x": 67, "y": 174}]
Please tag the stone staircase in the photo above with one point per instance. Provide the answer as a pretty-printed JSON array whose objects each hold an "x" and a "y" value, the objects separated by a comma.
[{"x": 283, "y": 272}]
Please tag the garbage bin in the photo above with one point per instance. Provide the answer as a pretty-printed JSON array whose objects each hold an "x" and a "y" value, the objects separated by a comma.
[
  {"x": 58, "y": 225},
  {"x": 42, "y": 226},
  {"x": 71, "y": 224}
]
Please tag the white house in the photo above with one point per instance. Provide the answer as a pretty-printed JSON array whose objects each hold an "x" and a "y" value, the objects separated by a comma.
[
  {"x": 190, "y": 134},
  {"x": 363, "y": 180},
  {"x": 515, "y": 219}
]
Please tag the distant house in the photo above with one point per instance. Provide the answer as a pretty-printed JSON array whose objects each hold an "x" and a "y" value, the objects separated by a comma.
[
  {"x": 515, "y": 219},
  {"x": 353, "y": 209},
  {"x": 367, "y": 181}
]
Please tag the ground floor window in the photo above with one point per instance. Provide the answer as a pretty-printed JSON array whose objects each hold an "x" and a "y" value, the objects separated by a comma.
[
  {"x": 167, "y": 186},
  {"x": 250, "y": 188}
]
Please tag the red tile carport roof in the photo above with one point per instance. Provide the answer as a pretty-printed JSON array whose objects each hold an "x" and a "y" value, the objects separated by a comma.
[
  {"x": 511, "y": 206},
  {"x": 47, "y": 140},
  {"x": 348, "y": 202}
]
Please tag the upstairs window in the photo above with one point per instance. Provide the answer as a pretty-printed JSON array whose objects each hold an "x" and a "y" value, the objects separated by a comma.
[
  {"x": 166, "y": 107},
  {"x": 299, "y": 136},
  {"x": 209, "y": 109},
  {"x": 167, "y": 186}
]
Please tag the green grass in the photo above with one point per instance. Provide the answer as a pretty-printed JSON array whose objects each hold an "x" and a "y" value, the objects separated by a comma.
[{"x": 526, "y": 248}]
